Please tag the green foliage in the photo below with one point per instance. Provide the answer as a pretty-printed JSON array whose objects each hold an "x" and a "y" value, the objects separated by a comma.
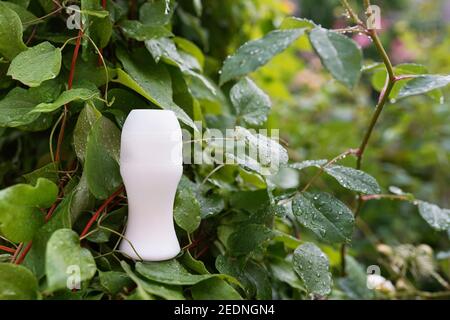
[
  {"x": 17, "y": 283},
  {"x": 20, "y": 216},
  {"x": 312, "y": 266},
  {"x": 272, "y": 225},
  {"x": 255, "y": 54},
  {"x": 327, "y": 217},
  {"x": 339, "y": 54},
  {"x": 11, "y": 43},
  {"x": 36, "y": 64},
  {"x": 63, "y": 252}
]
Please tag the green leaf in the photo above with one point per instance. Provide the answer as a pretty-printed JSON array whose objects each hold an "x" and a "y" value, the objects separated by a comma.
[
  {"x": 150, "y": 80},
  {"x": 186, "y": 208},
  {"x": 312, "y": 265},
  {"x": 102, "y": 158},
  {"x": 63, "y": 256},
  {"x": 296, "y": 23},
  {"x": 423, "y": 84},
  {"x": 266, "y": 157},
  {"x": 169, "y": 272},
  {"x": 283, "y": 271},
  {"x": 66, "y": 97},
  {"x": 17, "y": 283},
  {"x": 353, "y": 179},
  {"x": 253, "y": 276},
  {"x": 330, "y": 219},
  {"x": 26, "y": 17},
  {"x": 436, "y": 217},
  {"x": 36, "y": 64},
  {"x": 114, "y": 281},
  {"x": 355, "y": 282},
  {"x": 99, "y": 25},
  {"x": 49, "y": 171},
  {"x": 339, "y": 55},
  {"x": 156, "y": 13},
  {"x": 214, "y": 289},
  {"x": 257, "y": 53},
  {"x": 11, "y": 43},
  {"x": 153, "y": 288},
  {"x": 413, "y": 69},
  {"x": 251, "y": 103},
  {"x": 192, "y": 264},
  {"x": 141, "y": 32},
  {"x": 247, "y": 238},
  {"x": 20, "y": 216},
  {"x": 86, "y": 119},
  {"x": 16, "y": 106}
]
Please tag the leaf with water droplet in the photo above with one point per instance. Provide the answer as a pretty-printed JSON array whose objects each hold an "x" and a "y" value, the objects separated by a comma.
[
  {"x": 339, "y": 54},
  {"x": 423, "y": 84},
  {"x": 353, "y": 179},
  {"x": 254, "y": 54},
  {"x": 436, "y": 217},
  {"x": 312, "y": 265},
  {"x": 330, "y": 219},
  {"x": 251, "y": 103}
]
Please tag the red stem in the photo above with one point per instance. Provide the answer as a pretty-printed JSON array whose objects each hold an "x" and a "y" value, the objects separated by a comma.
[
  {"x": 69, "y": 86},
  {"x": 7, "y": 249},
  {"x": 24, "y": 253},
  {"x": 99, "y": 211}
]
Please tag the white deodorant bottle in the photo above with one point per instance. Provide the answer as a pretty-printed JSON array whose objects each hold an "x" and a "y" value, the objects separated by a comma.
[{"x": 151, "y": 165}]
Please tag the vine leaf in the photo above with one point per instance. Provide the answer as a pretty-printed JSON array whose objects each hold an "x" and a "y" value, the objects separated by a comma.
[
  {"x": 65, "y": 256},
  {"x": 339, "y": 55},
  {"x": 214, "y": 289},
  {"x": 187, "y": 207},
  {"x": 66, "y": 97},
  {"x": 353, "y": 179},
  {"x": 37, "y": 64},
  {"x": 145, "y": 287},
  {"x": 257, "y": 53},
  {"x": 17, "y": 283},
  {"x": 114, "y": 281},
  {"x": 312, "y": 265},
  {"x": 156, "y": 13},
  {"x": 11, "y": 43},
  {"x": 436, "y": 217},
  {"x": 247, "y": 238},
  {"x": 141, "y": 32},
  {"x": 150, "y": 80},
  {"x": 330, "y": 219},
  {"x": 251, "y": 103},
  {"x": 102, "y": 158},
  {"x": 86, "y": 119},
  {"x": 169, "y": 272},
  {"x": 20, "y": 217}
]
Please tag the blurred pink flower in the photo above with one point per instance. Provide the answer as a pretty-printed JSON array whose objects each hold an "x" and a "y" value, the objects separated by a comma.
[
  {"x": 362, "y": 40},
  {"x": 399, "y": 53}
]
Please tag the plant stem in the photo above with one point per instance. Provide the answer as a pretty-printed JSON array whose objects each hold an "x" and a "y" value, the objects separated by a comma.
[
  {"x": 99, "y": 211},
  {"x": 322, "y": 168},
  {"x": 69, "y": 86},
  {"x": 382, "y": 99},
  {"x": 351, "y": 13},
  {"x": 7, "y": 249}
]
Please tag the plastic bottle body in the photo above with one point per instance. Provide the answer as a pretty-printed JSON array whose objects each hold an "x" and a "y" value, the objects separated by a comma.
[{"x": 151, "y": 168}]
